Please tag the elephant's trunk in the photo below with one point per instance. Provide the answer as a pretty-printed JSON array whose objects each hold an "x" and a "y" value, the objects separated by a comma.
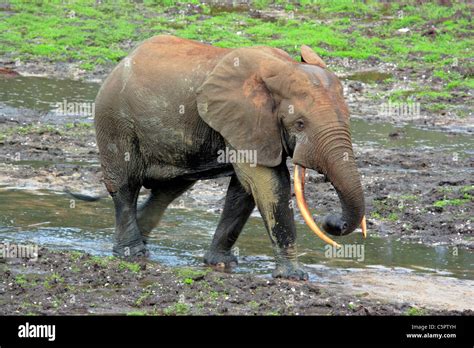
[
  {"x": 338, "y": 164},
  {"x": 343, "y": 174}
]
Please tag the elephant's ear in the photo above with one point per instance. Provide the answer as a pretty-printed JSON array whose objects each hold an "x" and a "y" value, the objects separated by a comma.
[
  {"x": 310, "y": 57},
  {"x": 235, "y": 102}
]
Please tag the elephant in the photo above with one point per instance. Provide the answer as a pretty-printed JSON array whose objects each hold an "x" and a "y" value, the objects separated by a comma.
[{"x": 169, "y": 110}]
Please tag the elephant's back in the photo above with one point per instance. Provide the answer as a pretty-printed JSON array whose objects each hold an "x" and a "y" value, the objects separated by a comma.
[
  {"x": 161, "y": 65},
  {"x": 174, "y": 58},
  {"x": 151, "y": 94}
]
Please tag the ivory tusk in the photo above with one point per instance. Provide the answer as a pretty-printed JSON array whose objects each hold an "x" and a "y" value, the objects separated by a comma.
[
  {"x": 300, "y": 200},
  {"x": 363, "y": 226}
]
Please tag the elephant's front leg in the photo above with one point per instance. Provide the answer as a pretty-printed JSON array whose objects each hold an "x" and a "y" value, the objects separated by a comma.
[{"x": 271, "y": 190}]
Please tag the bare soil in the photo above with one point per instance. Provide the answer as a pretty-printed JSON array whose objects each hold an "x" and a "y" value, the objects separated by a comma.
[
  {"x": 61, "y": 283},
  {"x": 401, "y": 186}
]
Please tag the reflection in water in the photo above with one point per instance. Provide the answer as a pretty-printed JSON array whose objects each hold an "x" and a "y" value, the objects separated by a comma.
[
  {"x": 376, "y": 135},
  {"x": 184, "y": 235},
  {"x": 41, "y": 93}
]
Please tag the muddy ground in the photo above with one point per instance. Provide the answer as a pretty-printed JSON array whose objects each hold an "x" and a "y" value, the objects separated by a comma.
[
  {"x": 403, "y": 188},
  {"x": 60, "y": 282},
  {"x": 367, "y": 84},
  {"x": 365, "y": 93}
]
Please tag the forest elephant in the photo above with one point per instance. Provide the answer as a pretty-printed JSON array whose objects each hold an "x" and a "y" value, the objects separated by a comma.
[{"x": 169, "y": 111}]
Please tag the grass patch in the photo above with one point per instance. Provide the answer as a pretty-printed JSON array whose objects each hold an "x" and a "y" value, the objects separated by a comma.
[
  {"x": 137, "y": 313},
  {"x": 97, "y": 34},
  {"x": 146, "y": 293},
  {"x": 453, "y": 202},
  {"x": 75, "y": 255},
  {"x": 21, "y": 280},
  {"x": 177, "y": 309},
  {"x": 53, "y": 280},
  {"x": 103, "y": 262},
  {"x": 130, "y": 266},
  {"x": 414, "y": 311},
  {"x": 189, "y": 275}
]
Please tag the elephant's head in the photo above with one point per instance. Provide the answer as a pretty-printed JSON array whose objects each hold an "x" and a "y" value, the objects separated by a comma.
[{"x": 260, "y": 99}]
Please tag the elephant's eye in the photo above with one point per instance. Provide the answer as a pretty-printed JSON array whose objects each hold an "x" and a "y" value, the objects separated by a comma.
[{"x": 299, "y": 125}]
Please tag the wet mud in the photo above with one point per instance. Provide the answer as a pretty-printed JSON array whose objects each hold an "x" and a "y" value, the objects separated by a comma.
[{"x": 60, "y": 282}]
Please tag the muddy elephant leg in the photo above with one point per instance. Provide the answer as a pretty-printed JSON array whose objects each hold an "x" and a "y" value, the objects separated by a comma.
[
  {"x": 128, "y": 240},
  {"x": 152, "y": 210},
  {"x": 272, "y": 192},
  {"x": 238, "y": 206}
]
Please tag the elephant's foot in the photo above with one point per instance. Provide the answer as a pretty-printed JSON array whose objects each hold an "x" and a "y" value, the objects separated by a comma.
[
  {"x": 134, "y": 251},
  {"x": 290, "y": 270},
  {"x": 220, "y": 259}
]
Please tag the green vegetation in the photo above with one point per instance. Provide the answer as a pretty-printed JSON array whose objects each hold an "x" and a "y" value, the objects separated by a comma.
[
  {"x": 272, "y": 313},
  {"x": 94, "y": 34},
  {"x": 75, "y": 255},
  {"x": 130, "y": 266},
  {"x": 178, "y": 308},
  {"x": 388, "y": 209},
  {"x": 146, "y": 293},
  {"x": 455, "y": 196},
  {"x": 100, "y": 261},
  {"x": 40, "y": 129},
  {"x": 213, "y": 295},
  {"x": 137, "y": 313},
  {"x": 189, "y": 275},
  {"x": 21, "y": 280},
  {"x": 80, "y": 125},
  {"x": 29, "y": 129},
  {"x": 254, "y": 305},
  {"x": 393, "y": 217},
  {"x": 414, "y": 311},
  {"x": 52, "y": 280},
  {"x": 454, "y": 202},
  {"x": 408, "y": 197}
]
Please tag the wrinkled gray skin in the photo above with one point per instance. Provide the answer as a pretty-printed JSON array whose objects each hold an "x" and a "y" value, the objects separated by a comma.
[{"x": 166, "y": 110}]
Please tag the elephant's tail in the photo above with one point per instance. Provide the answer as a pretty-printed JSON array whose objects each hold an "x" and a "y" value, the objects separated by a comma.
[{"x": 83, "y": 197}]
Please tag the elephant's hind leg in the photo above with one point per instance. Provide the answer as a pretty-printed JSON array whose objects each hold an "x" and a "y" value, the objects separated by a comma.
[
  {"x": 237, "y": 208},
  {"x": 128, "y": 241},
  {"x": 152, "y": 210}
]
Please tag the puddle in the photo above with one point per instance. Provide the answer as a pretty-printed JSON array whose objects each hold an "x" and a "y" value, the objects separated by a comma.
[
  {"x": 435, "y": 275},
  {"x": 184, "y": 235},
  {"x": 369, "y": 76},
  {"x": 29, "y": 99},
  {"x": 409, "y": 137},
  {"x": 46, "y": 218},
  {"x": 42, "y": 94}
]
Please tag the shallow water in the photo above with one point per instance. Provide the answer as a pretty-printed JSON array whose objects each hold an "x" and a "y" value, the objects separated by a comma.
[
  {"x": 185, "y": 234},
  {"x": 43, "y": 94},
  {"x": 410, "y": 137},
  {"x": 46, "y": 218}
]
